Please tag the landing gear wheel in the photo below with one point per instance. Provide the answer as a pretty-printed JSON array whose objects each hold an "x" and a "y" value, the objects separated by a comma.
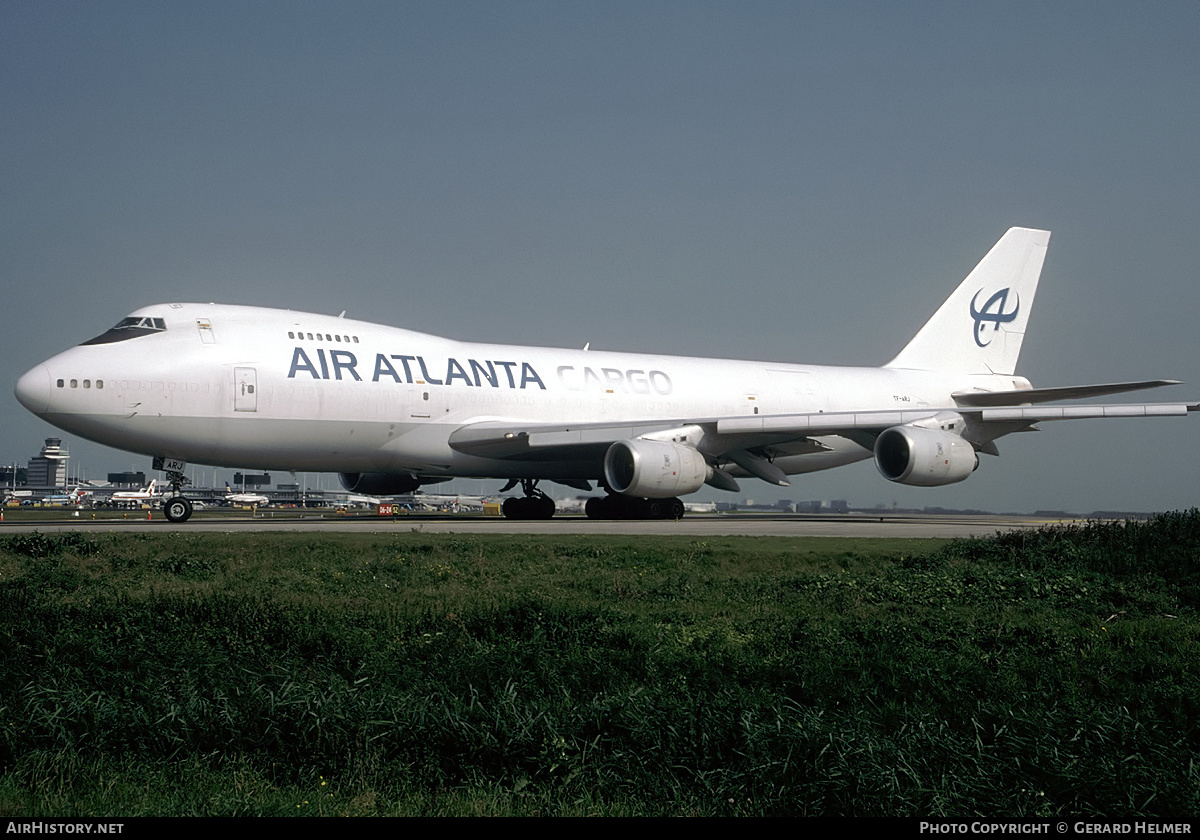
[
  {"x": 177, "y": 509},
  {"x": 534, "y": 505},
  {"x": 616, "y": 506}
]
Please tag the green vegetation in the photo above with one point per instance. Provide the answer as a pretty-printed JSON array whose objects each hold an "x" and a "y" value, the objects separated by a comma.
[{"x": 1033, "y": 674}]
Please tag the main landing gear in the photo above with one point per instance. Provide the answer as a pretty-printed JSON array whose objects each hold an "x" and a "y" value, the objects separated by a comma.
[
  {"x": 616, "y": 506},
  {"x": 535, "y": 505},
  {"x": 177, "y": 508}
]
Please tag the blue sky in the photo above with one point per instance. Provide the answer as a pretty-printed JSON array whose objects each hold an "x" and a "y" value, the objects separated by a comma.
[{"x": 786, "y": 181}]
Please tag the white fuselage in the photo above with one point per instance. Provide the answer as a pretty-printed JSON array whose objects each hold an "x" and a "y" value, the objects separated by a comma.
[{"x": 274, "y": 389}]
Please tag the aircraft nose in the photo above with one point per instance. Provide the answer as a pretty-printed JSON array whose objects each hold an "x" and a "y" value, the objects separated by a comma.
[{"x": 33, "y": 389}]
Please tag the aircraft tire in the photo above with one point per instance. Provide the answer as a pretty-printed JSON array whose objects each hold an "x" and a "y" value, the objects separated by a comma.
[
  {"x": 177, "y": 509},
  {"x": 530, "y": 507},
  {"x": 601, "y": 507},
  {"x": 631, "y": 507}
]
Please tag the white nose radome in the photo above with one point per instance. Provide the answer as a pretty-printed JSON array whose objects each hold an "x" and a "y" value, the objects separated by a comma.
[{"x": 33, "y": 389}]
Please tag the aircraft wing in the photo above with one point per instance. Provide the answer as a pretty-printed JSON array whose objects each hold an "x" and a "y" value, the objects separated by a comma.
[
  {"x": 526, "y": 441},
  {"x": 836, "y": 423},
  {"x": 720, "y": 436}
]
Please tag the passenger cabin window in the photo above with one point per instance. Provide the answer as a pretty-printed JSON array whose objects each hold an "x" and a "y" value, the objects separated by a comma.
[
  {"x": 128, "y": 328},
  {"x": 345, "y": 339}
]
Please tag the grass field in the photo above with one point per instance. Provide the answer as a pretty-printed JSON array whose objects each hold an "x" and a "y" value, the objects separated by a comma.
[{"x": 1040, "y": 674}]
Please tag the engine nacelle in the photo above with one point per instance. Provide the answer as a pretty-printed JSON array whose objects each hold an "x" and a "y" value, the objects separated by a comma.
[
  {"x": 654, "y": 469},
  {"x": 379, "y": 484},
  {"x": 923, "y": 457}
]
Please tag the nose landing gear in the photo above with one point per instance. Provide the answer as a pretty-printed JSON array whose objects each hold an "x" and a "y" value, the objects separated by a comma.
[{"x": 177, "y": 508}]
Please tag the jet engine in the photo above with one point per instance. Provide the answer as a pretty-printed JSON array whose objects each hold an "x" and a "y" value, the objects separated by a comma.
[
  {"x": 654, "y": 469},
  {"x": 923, "y": 457},
  {"x": 379, "y": 484}
]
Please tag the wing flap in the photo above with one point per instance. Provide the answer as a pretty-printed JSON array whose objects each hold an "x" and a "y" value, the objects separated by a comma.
[
  {"x": 1030, "y": 414},
  {"x": 501, "y": 439},
  {"x": 828, "y": 423}
]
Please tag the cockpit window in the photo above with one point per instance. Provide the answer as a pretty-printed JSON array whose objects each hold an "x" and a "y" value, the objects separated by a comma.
[{"x": 128, "y": 328}]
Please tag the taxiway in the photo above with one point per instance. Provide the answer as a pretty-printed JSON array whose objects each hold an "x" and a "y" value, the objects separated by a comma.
[{"x": 883, "y": 527}]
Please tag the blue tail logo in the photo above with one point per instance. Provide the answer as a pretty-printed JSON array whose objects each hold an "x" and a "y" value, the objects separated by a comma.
[{"x": 986, "y": 316}]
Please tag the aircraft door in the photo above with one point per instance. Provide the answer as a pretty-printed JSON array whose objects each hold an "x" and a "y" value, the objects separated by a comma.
[
  {"x": 794, "y": 391},
  {"x": 423, "y": 402},
  {"x": 245, "y": 389}
]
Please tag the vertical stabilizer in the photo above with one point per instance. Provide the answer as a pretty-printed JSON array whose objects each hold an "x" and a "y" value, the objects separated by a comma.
[{"x": 980, "y": 327}]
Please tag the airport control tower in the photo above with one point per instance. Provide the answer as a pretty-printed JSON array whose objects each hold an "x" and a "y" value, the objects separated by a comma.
[{"x": 48, "y": 469}]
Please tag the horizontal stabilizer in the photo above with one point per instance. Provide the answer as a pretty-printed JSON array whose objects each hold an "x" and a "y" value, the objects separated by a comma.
[{"x": 1040, "y": 395}]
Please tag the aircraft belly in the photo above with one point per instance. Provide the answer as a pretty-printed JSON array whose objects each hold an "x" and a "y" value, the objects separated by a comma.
[
  {"x": 817, "y": 461},
  {"x": 835, "y": 452},
  {"x": 107, "y": 429},
  {"x": 255, "y": 442},
  {"x": 311, "y": 445}
]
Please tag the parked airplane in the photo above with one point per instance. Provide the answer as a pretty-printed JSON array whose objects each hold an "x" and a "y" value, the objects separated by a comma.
[
  {"x": 245, "y": 498},
  {"x": 135, "y": 496},
  {"x": 75, "y": 497},
  {"x": 391, "y": 409}
]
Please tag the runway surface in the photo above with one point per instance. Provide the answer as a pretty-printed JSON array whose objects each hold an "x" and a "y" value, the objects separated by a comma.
[{"x": 756, "y": 525}]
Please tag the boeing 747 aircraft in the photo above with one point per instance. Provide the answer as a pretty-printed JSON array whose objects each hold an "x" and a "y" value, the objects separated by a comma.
[{"x": 391, "y": 409}]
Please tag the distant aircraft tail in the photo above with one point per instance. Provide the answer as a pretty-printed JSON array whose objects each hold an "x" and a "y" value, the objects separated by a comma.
[{"x": 980, "y": 327}]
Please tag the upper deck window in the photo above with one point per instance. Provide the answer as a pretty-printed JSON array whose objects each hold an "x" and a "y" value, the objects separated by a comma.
[{"x": 127, "y": 328}]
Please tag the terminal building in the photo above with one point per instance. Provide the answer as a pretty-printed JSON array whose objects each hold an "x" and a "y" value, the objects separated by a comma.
[
  {"x": 46, "y": 475},
  {"x": 127, "y": 480}
]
